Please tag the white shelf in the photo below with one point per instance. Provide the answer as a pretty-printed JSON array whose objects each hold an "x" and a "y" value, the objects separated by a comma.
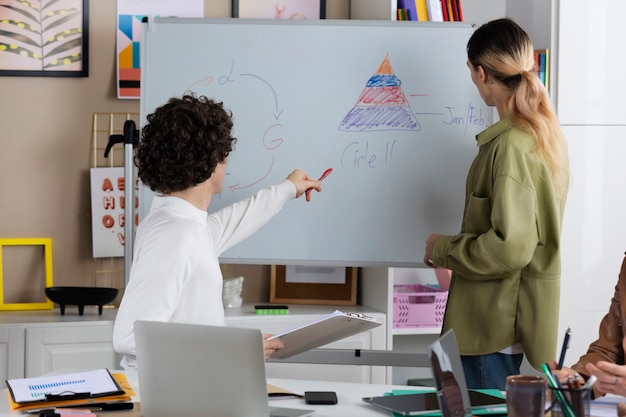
[{"x": 418, "y": 331}]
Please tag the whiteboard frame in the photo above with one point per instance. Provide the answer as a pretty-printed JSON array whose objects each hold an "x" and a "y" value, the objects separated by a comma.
[{"x": 401, "y": 260}]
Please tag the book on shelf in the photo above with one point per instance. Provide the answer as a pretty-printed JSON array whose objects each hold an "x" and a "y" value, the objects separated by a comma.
[
  {"x": 430, "y": 10},
  {"x": 434, "y": 11},
  {"x": 542, "y": 66},
  {"x": 455, "y": 10},
  {"x": 410, "y": 8},
  {"x": 422, "y": 10},
  {"x": 444, "y": 10},
  {"x": 459, "y": 6},
  {"x": 450, "y": 11}
]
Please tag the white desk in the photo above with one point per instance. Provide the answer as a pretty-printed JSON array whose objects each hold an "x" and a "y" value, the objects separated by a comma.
[{"x": 348, "y": 394}]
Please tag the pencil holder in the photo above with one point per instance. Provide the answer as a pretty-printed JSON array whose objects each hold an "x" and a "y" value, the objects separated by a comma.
[{"x": 568, "y": 402}]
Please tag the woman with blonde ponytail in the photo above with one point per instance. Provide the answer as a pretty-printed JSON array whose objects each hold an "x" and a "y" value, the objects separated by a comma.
[{"x": 506, "y": 268}]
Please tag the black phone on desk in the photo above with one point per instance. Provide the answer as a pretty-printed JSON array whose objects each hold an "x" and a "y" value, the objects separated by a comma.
[{"x": 320, "y": 397}]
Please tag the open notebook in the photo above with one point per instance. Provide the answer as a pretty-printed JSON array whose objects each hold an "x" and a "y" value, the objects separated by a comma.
[{"x": 192, "y": 370}]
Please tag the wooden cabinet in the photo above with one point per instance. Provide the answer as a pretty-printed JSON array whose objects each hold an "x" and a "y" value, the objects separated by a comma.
[
  {"x": 11, "y": 352},
  {"x": 69, "y": 345},
  {"x": 36, "y": 342}
]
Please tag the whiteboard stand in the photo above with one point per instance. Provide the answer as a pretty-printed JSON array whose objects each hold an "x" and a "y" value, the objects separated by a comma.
[
  {"x": 358, "y": 357},
  {"x": 130, "y": 138}
]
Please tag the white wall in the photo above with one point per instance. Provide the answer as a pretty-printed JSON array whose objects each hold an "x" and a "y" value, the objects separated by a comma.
[
  {"x": 590, "y": 101},
  {"x": 594, "y": 231}
]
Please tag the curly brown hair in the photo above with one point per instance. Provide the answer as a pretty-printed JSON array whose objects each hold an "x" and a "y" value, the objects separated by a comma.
[{"x": 183, "y": 142}]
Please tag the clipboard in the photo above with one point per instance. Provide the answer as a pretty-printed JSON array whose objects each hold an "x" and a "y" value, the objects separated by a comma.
[
  {"x": 333, "y": 327},
  {"x": 68, "y": 389}
]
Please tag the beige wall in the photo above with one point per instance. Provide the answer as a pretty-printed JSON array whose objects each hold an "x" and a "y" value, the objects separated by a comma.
[{"x": 46, "y": 152}]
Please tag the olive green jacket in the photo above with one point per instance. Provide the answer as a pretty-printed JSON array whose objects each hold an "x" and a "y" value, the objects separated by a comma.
[{"x": 506, "y": 264}]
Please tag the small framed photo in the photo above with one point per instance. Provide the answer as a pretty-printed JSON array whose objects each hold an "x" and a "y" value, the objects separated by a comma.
[
  {"x": 313, "y": 285},
  {"x": 44, "y": 38},
  {"x": 284, "y": 9}
]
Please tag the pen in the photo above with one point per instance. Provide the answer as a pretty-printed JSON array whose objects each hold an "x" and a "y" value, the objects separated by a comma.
[
  {"x": 577, "y": 383},
  {"x": 324, "y": 175},
  {"x": 568, "y": 333},
  {"x": 553, "y": 383},
  {"x": 98, "y": 407}
]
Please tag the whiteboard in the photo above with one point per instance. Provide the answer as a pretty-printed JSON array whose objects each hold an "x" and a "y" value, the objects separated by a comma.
[{"x": 390, "y": 106}]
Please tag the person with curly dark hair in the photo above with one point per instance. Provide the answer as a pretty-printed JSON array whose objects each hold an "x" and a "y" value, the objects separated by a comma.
[{"x": 175, "y": 274}]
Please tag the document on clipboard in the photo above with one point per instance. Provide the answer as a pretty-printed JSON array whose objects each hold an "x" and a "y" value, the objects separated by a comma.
[
  {"x": 333, "y": 327},
  {"x": 75, "y": 388}
]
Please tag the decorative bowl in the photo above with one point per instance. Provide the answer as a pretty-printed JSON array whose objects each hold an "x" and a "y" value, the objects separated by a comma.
[{"x": 81, "y": 296}]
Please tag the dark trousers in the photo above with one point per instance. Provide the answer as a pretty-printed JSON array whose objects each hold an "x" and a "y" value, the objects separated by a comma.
[{"x": 490, "y": 371}]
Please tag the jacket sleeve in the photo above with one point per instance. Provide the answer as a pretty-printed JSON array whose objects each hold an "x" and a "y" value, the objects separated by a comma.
[
  {"x": 500, "y": 237},
  {"x": 608, "y": 347}
]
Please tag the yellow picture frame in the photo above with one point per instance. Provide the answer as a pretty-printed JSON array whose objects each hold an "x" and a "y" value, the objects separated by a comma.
[{"x": 47, "y": 245}]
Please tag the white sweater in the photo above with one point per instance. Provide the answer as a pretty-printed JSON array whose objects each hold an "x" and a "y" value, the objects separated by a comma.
[{"x": 175, "y": 275}]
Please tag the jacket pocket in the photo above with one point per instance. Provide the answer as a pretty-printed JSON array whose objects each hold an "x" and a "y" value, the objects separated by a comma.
[{"x": 478, "y": 215}]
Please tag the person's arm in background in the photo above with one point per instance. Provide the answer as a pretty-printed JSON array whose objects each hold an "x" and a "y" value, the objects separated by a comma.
[{"x": 607, "y": 350}]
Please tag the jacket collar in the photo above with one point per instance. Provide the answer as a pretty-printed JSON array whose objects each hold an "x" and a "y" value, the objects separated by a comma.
[{"x": 493, "y": 131}]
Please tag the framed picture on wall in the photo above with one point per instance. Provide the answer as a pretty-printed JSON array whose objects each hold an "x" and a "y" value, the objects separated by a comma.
[
  {"x": 313, "y": 285},
  {"x": 44, "y": 39},
  {"x": 283, "y": 9}
]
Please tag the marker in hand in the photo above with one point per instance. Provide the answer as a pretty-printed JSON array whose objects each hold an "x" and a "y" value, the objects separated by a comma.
[{"x": 324, "y": 175}]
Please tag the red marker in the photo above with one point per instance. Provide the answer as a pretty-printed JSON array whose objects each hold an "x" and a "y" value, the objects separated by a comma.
[{"x": 324, "y": 175}]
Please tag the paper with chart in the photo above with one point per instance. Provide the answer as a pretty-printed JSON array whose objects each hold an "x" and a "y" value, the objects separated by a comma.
[{"x": 91, "y": 383}]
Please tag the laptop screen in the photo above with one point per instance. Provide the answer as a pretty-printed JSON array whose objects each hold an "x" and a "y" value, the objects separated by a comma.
[
  {"x": 451, "y": 396},
  {"x": 194, "y": 370},
  {"x": 449, "y": 377}
]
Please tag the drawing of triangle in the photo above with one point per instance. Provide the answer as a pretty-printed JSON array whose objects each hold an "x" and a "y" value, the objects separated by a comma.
[{"x": 382, "y": 105}]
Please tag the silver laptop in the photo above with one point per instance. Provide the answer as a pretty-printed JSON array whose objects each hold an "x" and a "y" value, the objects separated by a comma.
[{"x": 192, "y": 370}]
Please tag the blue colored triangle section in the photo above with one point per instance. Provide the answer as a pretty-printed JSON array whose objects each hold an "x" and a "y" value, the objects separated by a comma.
[{"x": 384, "y": 80}]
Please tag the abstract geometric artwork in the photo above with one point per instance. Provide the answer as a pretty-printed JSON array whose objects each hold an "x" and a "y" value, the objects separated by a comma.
[
  {"x": 129, "y": 73},
  {"x": 130, "y": 16},
  {"x": 44, "y": 38}
]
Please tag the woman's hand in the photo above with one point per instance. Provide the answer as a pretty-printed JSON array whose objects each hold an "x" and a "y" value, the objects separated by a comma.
[
  {"x": 430, "y": 247},
  {"x": 271, "y": 346}
]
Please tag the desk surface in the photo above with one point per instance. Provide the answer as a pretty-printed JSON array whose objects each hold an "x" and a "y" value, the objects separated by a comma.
[{"x": 348, "y": 394}]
